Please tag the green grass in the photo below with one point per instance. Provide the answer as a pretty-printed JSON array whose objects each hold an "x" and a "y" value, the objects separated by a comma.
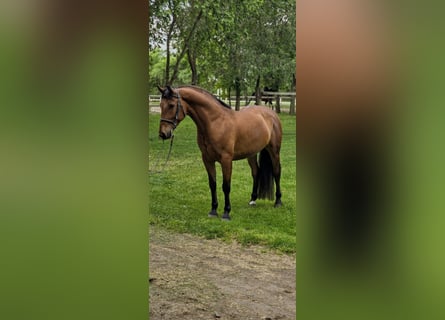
[{"x": 180, "y": 196}]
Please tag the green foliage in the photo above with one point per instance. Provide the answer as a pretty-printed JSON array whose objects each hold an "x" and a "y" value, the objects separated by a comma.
[
  {"x": 180, "y": 196},
  {"x": 157, "y": 70},
  {"x": 233, "y": 40}
]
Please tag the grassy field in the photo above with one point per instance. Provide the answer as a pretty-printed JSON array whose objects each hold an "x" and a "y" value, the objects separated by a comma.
[{"x": 180, "y": 196}]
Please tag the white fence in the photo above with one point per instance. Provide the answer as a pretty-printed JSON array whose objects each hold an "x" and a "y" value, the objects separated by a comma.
[{"x": 285, "y": 100}]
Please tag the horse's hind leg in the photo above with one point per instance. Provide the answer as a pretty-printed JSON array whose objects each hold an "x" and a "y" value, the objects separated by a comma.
[
  {"x": 254, "y": 169},
  {"x": 274, "y": 153},
  {"x": 277, "y": 176}
]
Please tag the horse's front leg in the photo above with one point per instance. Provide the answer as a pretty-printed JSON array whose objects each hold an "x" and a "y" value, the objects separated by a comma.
[
  {"x": 226, "y": 166},
  {"x": 211, "y": 172}
]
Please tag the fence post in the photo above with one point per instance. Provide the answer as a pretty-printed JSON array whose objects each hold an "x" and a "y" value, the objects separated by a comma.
[{"x": 293, "y": 97}]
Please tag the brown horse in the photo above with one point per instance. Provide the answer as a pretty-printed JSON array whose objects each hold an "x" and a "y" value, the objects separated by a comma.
[{"x": 225, "y": 135}]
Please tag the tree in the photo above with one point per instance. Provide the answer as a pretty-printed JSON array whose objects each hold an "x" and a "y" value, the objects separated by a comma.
[
  {"x": 169, "y": 26},
  {"x": 228, "y": 44}
]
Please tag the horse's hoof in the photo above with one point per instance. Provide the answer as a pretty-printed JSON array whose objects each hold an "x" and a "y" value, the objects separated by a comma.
[
  {"x": 252, "y": 203},
  {"x": 225, "y": 217},
  {"x": 213, "y": 214},
  {"x": 278, "y": 204}
]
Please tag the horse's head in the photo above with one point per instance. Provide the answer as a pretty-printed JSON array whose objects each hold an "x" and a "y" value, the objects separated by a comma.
[{"x": 172, "y": 112}]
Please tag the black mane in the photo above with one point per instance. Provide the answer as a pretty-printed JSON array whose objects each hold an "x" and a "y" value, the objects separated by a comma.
[{"x": 222, "y": 103}]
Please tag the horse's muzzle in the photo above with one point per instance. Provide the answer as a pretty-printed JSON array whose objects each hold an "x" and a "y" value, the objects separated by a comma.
[{"x": 164, "y": 135}]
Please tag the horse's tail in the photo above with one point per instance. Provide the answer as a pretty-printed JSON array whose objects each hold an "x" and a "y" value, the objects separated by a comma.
[{"x": 265, "y": 176}]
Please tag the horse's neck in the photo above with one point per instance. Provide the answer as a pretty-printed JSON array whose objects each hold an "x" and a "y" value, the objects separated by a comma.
[{"x": 203, "y": 110}]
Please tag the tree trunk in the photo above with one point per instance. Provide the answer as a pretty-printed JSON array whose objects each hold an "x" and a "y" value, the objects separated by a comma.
[
  {"x": 257, "y": 92},
  {"x": 238, "y": 93},
  {"x": 277, "y": 104},
  {"x": 192, "y": 62},
  {"x": 184, "y": 48},
  {"x": 292, "y": 101},
  {"x": 167, "y": 60}
]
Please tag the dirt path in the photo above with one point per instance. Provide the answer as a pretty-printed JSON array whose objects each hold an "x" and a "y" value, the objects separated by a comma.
[{"x": 193, "y": 278}]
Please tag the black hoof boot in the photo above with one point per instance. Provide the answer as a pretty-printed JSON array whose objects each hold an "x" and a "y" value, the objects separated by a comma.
[
  {"x": 213, "y": 214},
  {"x": 226, "y": 216},
  {"x": 278, "y": 203}
]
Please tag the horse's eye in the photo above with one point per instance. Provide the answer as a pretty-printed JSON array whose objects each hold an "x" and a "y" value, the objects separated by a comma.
[{"x": 171, "y": 106}]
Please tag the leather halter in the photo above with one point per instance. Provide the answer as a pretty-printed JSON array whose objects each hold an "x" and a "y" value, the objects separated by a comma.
[{"x": 178, "y": 106}]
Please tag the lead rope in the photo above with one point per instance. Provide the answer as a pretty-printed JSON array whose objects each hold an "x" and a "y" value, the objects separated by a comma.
[
  {"x": 169, "y": 151},
  {"x": 156, "y": 165}
]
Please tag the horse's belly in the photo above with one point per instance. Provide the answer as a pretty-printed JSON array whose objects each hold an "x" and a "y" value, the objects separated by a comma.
[
  {"x": 248, "y": 148},
  {"x": 250, "y": 143},
  {"x": 244, "y": 155}
]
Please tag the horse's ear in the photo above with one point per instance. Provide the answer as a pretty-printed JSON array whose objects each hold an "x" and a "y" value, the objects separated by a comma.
[{"x": 168, "y": 92}]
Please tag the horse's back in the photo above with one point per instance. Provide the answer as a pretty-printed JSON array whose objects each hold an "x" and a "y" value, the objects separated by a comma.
[
  {"x": 265, "y": 112},
  {"x": 256, "y": 115}
]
